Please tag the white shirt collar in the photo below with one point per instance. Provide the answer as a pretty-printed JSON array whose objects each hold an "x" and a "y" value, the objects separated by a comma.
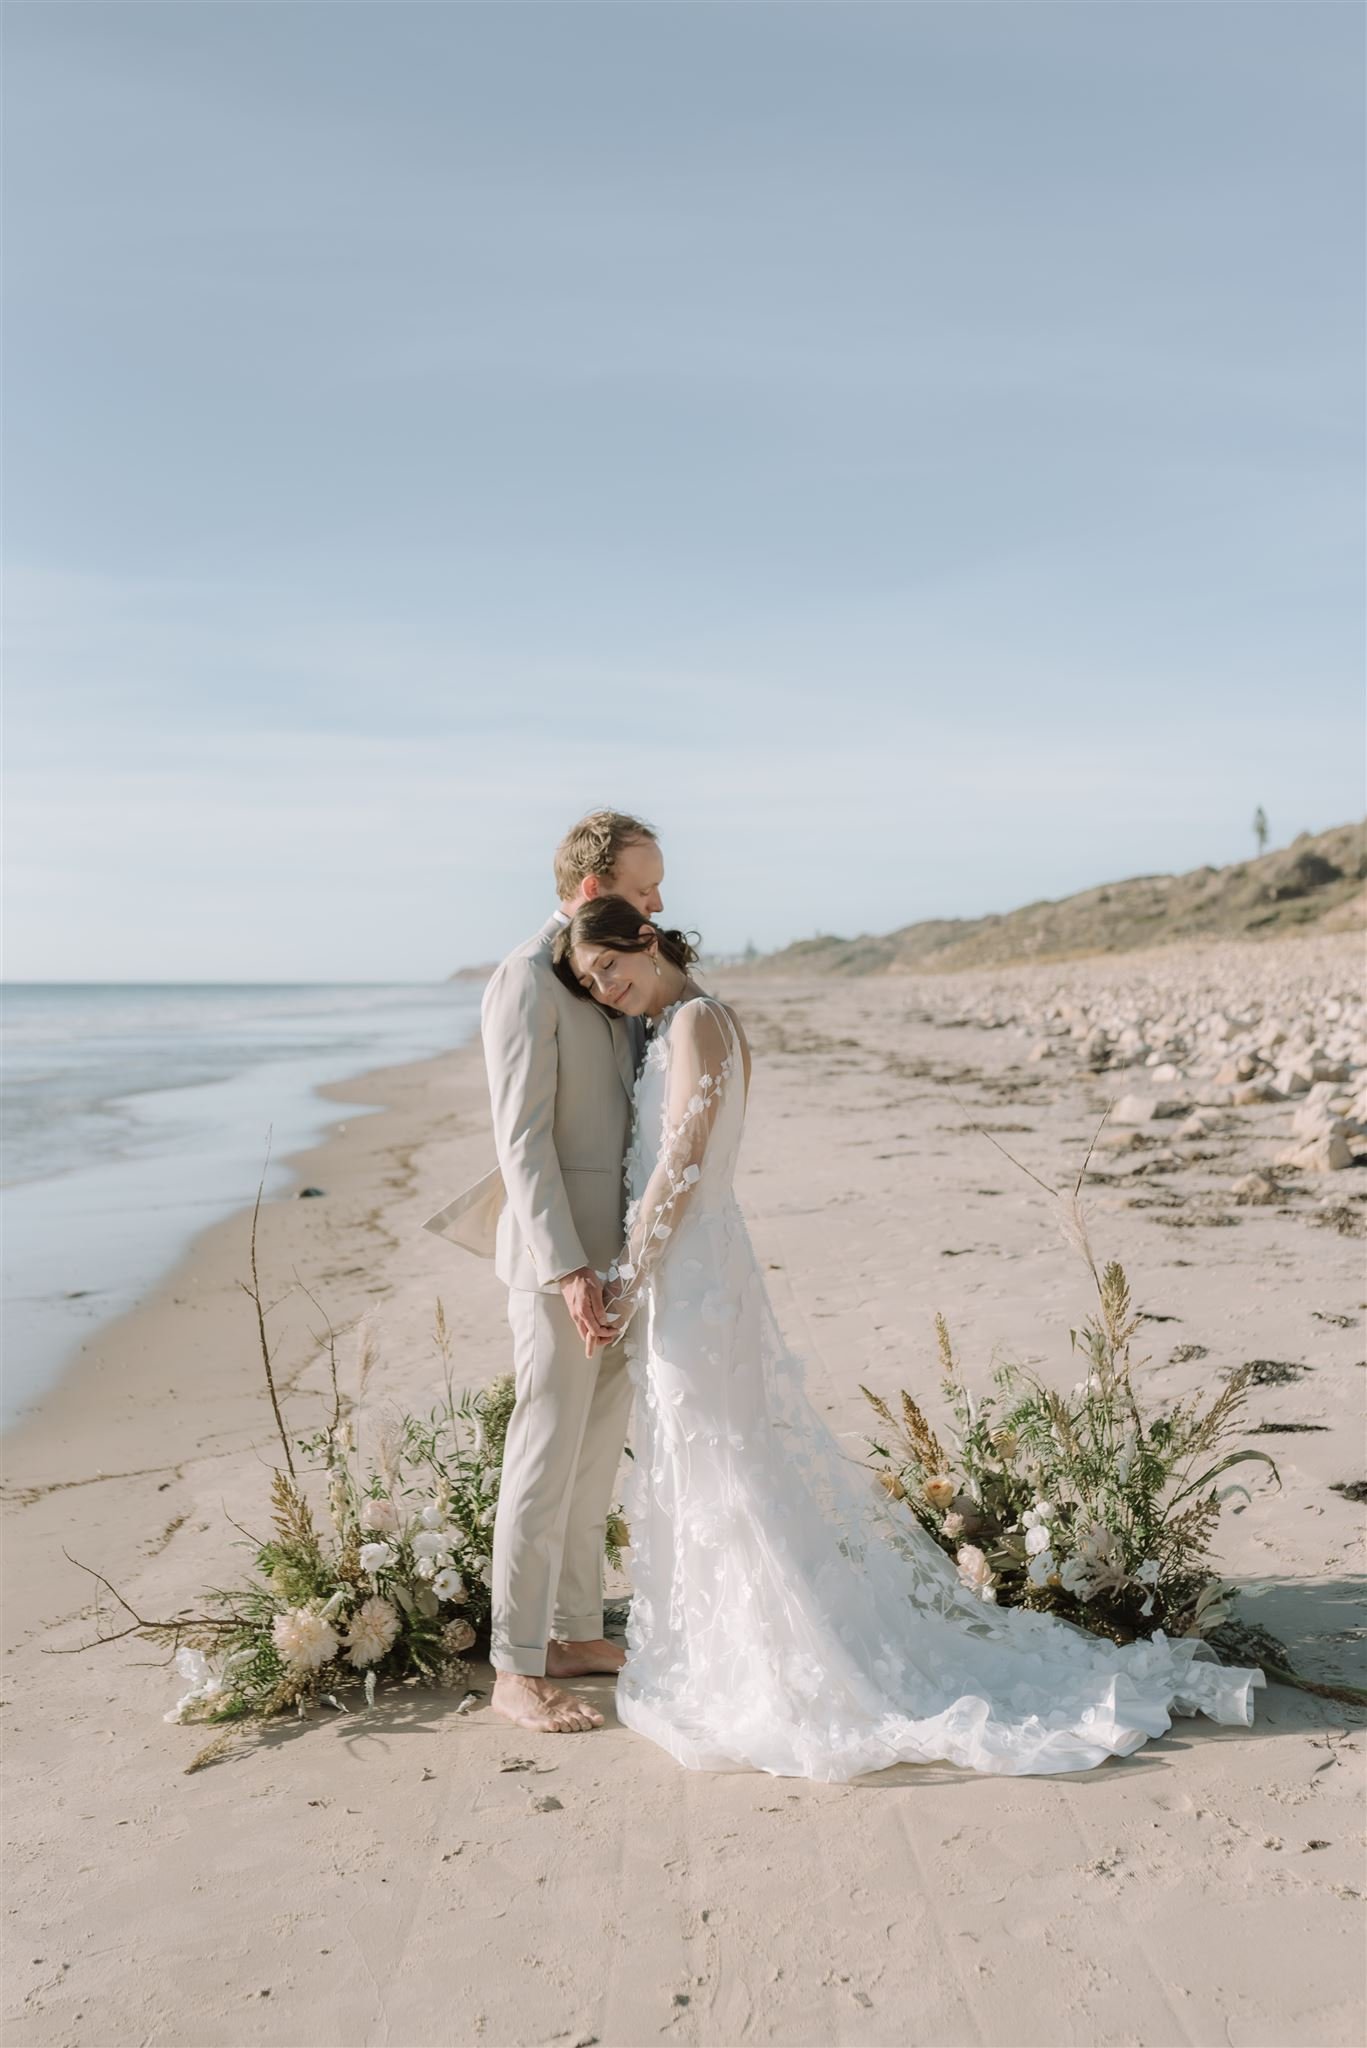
[{"x": 560, "y": 916}]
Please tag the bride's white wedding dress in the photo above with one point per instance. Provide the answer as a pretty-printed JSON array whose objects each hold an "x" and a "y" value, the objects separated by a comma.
[{"x": 785, "y": 1615}]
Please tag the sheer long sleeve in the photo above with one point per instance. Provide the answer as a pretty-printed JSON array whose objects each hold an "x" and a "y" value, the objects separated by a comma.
[{"x": 704, "y": 1063}]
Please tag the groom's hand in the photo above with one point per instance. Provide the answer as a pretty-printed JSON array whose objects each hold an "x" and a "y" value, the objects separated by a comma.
[{"x": 583, "y": 1292}]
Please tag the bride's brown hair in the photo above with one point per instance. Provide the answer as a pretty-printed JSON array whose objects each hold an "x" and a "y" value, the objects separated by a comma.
[{"x": 612, "y": 921}]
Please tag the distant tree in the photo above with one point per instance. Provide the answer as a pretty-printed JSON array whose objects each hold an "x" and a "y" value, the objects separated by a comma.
[
  {"x": 1260, "y": 828},
  {"x": 751, "y": 950}
]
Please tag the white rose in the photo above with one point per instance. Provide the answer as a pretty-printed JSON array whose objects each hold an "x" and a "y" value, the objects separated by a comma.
[
  {"x": 975, "y": 1571},
  {"x": 449, "y": 1585},
  {"x": 940, "y": 1490},
  {"x": 432, "y": 1543},
  {"x": 1036, "y": 1539},
  {"x": 377, "y": 1557},
  {"x": 432, "y": 1516},
  {"x": 426, "y": 1567}
]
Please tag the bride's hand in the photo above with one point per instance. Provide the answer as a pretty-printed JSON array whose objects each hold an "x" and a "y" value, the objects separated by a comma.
[{"x": 613, "y": 1290}]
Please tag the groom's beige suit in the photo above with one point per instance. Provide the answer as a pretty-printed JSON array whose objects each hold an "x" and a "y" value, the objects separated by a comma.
[{"x": 561, "y": 1076}]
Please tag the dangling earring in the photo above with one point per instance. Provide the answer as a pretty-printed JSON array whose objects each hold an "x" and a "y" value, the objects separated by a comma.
[{"x": 657, "y": 970}]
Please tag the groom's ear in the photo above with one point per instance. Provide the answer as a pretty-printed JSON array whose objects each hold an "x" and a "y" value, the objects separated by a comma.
[{"x": 591, "y": 886}]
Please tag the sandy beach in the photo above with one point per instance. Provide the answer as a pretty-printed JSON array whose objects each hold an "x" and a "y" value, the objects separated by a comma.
[{"x": 386, "y": 1877}]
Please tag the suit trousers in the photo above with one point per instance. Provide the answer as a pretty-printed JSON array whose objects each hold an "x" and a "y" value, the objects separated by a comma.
[{"x": 564, "y": 1444}]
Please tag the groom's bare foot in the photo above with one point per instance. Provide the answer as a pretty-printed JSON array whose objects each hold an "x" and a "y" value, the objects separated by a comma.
[
  {"x": 540, "y": 1703},
  {"x": 583, "y": 1660}
]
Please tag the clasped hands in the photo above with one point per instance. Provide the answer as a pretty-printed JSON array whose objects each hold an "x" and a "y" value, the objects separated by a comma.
[{"x": 592, "y": 1300}]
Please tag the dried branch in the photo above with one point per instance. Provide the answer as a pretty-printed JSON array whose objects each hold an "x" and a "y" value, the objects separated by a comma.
[{"x": 254, "y": 1292}]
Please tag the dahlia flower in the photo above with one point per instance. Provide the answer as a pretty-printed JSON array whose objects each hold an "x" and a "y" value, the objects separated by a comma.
[
  {"x": 304, "y": 1639},
  {"x": 374, "y": 1626}
]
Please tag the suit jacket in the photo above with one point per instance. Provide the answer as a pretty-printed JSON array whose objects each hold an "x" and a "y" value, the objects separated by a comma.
[{"x": 561, "y": 1076}]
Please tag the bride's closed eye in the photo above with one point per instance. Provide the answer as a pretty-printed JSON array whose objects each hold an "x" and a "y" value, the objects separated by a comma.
[{"x": 600, "y": 974}]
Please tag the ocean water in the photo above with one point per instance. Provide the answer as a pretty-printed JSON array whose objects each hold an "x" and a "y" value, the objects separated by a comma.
[{"x": 135, "y": 1115}]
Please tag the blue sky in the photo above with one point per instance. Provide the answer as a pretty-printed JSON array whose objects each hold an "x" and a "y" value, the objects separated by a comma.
[{"x": 913, "y": 453}]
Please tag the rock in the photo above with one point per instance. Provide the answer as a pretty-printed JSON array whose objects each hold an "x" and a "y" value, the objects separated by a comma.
[
  {"x": 1292, "y": 1081},
  {"x": 1167, "y": 1072},
  {"x": 1145, "y": 1109},
  {"x": 1328, "y": 1152},
  {"x": 1042, "y": 1051},
  {"x": 308, "y": 1194},
  {"x": 1316, "y": 1114},
  {"x": 1134, "y": 1109},
  {"x": 1325, "y": 1070},
  {"x": 1258, "y": 1188},
  {"x": 1249, "y": 1092}
]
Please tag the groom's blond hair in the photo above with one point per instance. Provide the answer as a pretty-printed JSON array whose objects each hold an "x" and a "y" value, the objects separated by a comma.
[{"x": 593, "y": 847}]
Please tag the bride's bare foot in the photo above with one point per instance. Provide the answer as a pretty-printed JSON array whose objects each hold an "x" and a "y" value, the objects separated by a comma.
[
  {"x": 583, "y": 1660},
  {"x": 540, "y": 1703}
]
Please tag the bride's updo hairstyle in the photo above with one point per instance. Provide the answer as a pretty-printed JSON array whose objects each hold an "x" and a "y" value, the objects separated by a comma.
[{"x": 612, "y": 921}]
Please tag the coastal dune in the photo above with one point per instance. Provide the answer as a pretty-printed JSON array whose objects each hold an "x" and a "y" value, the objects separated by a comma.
[{"x": 415, "y": 1875}]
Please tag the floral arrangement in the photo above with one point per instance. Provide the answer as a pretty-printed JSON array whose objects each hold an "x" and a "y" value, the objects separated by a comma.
[
  {"x": 1079, "y": 1504},
  {"x": 1086, "y": 1505},
  {"x": 1083, "y": 1504},
  {"x": 393, "y": 1588}
]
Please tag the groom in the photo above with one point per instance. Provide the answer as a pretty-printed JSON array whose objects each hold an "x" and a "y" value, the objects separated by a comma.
[{"x": 561, "y": 1076}]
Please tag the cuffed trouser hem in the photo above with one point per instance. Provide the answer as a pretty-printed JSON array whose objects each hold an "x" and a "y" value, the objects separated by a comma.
[
  {"x": 580, "y": 1628},
  {"x": 527, "y": 1663}
]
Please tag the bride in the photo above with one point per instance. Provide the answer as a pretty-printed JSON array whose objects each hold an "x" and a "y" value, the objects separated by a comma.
[{"x": 784, "y": 1616}]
